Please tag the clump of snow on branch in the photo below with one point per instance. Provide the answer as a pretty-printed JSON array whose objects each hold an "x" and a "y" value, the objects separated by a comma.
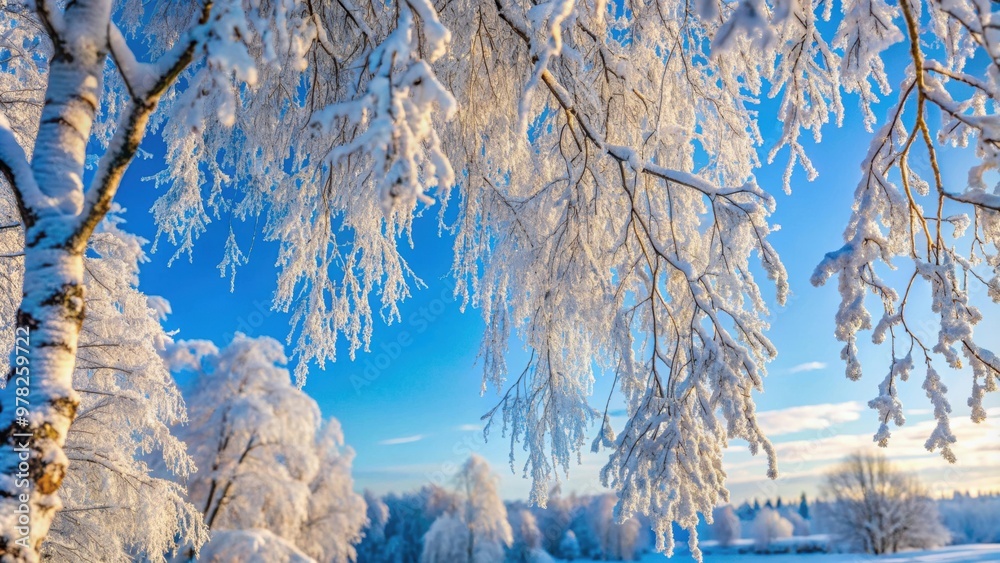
[
  {"x": 769, "y": 526},
  {"x": 333, "y": 170},
  {"x": 907, "y": 215}
]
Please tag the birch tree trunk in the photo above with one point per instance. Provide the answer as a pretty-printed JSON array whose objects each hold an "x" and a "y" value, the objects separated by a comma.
[
  {"x": 50, "y": 196},
  {"x": 58, "y": 215},
  {"x": 49, "y": 322}
]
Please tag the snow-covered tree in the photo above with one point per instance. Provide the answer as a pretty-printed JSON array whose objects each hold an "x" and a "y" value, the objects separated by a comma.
[
  {"x": 75, "y": 73},
  {"x": 804, "y": 507},
  {"x": 11, "y": 272},
  {"x": 527, "y": 538},
  {"x": 61, "y": 60},
  {"x": 554, "y": 521},
  {"x": 373, "y": 543},
  {"x": 336, "y": 514},
  {"x": 115, "y": 507},
  {"x": 638, "y": 232},
  {"x": 607, "y": 156},
  {"x": 800, "y": 526},
  {"x": 480, "y": 507},
  {"x": 265, "y": 461},
  {"x": 569, "y": 547},
  {"x": 874, "y": 507},
  {"x": 971, "y": 519},
  {"x": 447, "y": 541},
  {"x": 745, "y": 511},
  {"x": 476, "y": 530},
  {"x": 769, "y": 526},
  {"x": 725, "y": 525},
  {"x": 617, "y": 540}
]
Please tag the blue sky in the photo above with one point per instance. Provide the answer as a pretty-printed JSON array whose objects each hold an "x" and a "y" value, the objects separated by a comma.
[{"x": 411, "y": 406}]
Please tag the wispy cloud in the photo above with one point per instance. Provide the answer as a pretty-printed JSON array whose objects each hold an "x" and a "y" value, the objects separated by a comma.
[
  {"x": 808, "y": 417},
  {"x": 805, "y": 461},
  {"x": 469, "y": 428},
  {"x": 808, "y": 366},
  {"x": 402, "y": 440}
]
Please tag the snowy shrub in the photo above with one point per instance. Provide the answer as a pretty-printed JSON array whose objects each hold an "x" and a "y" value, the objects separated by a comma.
[
  {"x": 800, "y": 526},
  {"x": 875, "y": 508},
  {"x": 769, "y": 526},
  {"x": 246, "y": 546},
  {"x": 725, "y": 525}
]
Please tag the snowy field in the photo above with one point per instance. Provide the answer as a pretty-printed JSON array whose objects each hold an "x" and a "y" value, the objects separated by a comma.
[{"x": 975, "y": 553}]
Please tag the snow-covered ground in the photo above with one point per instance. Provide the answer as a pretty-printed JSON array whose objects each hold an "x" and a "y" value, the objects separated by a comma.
[{"x": 975, "y": 553}]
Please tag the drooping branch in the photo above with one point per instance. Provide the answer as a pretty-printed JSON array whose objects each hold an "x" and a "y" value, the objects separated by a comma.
[{"x": 146, "y": 83}]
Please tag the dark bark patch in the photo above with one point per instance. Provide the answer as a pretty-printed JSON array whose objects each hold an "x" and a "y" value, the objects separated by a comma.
[
  {"x": 26, "y": 320},
  {"x": 69, "y": 298},
  {"x": 65, "y": 406},
  {"x": 55, "y": 344},
  {"x": 59, "y": 120},
  {"x": 51, "y": 477},
  {"x": 62, "y": 54}
]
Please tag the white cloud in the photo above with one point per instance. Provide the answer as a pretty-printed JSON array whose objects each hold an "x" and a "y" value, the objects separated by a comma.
[
  {"x": 469, "y": 428},
  {"x": 808, "y": 417},
  {"x": 402, "y": 440},
  {"x": 808, "y": 366},
  {"x": 805, "y": 460}
]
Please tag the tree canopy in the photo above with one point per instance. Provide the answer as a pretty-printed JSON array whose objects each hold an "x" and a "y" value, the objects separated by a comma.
[{"x": 608, "y": 211}]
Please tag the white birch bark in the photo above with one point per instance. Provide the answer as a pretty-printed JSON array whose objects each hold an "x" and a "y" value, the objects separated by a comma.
[{"x": 58, "y": 216}]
